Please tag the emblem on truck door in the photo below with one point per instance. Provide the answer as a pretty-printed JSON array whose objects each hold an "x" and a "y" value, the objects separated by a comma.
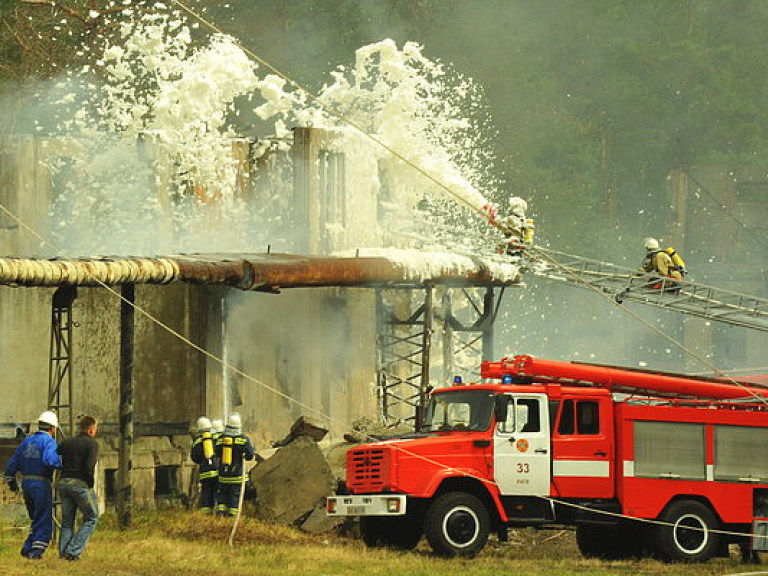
[{"x": 522, "y": 445}]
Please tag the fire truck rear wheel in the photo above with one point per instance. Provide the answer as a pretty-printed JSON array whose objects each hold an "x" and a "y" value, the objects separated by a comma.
[
  {"x": 457, "y": 524},
  {"x": 688, "y": 534}
]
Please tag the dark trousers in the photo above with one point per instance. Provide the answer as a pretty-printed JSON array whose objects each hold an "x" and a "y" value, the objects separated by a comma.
[
  {"x": 39, "y": 502},
  {"x": 208, "y": 488},
  {"x": 228, "y": 496}
]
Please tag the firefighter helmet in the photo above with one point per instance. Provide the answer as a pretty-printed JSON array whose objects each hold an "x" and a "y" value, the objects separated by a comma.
[
  {"x": 48, "y": 418},
  {"x": 203, "y": 424},
  {"x": 217, "y": 425},
  {"x": 651, "y": 244},
  {"x": 234, "y": 420},
  {"x": 517, "y": 206}
]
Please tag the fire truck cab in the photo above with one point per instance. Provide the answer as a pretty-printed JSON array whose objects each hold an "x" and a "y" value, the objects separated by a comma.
[{"x": 639, "y": 462}]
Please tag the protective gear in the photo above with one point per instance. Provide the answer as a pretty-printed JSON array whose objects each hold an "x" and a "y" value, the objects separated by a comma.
[
  {"x": 677, "y": 260},
  {"x": 35, "y": 459},
  {"x": 203, "y": 424},
  {"x": 518, "y": 206},
  {"x": 49, "y": 418},
  {"x": 234, "y": 421},
  {"x": 226, "y": 451},
  {"x": 13, "y": 484},
  {"x": 208, "y": 445},
  {"x": 203, "y": 454},
  {"x": 233, "y": 447},
  {"x": 217, "y": 426},
  {"x": 651, "y": 244},
  {"x": 528, "y": 231},
  {"x": 659, "y": 266}
]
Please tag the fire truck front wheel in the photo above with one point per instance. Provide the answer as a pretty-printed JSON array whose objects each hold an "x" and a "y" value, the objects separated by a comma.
[
  {"x": 457, "y": 524},
  {"x": 687, "y": 533}
]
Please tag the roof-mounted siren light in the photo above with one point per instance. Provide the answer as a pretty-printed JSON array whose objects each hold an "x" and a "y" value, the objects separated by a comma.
[
  {"x": 457, "y": 381},
  {"x": 507, "y": 379}
]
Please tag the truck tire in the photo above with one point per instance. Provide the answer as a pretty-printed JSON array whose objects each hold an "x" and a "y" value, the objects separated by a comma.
[
  {"x": 398, "y": 532},
  {"x": 687, "y": 535},
  {"x": 457, "y": 524}
]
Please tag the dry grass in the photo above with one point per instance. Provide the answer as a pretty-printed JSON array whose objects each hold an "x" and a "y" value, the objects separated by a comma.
[{"x": 181, "y": 543}]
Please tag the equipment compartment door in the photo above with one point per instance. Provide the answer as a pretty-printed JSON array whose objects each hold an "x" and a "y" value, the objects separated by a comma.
[{"x": 522, "y": 446}]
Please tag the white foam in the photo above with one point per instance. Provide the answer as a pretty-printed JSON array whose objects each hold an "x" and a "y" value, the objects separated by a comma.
[{"x": 157, "y": 85}]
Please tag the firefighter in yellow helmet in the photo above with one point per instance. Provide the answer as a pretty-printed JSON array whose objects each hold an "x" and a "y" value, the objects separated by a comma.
[
  {"x": 659, "y": 265},
  {"x": 203, "y": 454},
  {"x": 232, "y": 448}
]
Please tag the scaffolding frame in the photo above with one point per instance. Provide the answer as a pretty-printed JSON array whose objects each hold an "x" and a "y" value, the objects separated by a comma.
[
  {"x": 60, "y": 394},
  {"x": 408, "y": 318}
]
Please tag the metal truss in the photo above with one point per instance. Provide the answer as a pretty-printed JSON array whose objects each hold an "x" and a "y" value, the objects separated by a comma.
[
  {"x": 60, "y": 397},
  {"x": 409, "y": 322},
  {"x": 692, "y": 298}
]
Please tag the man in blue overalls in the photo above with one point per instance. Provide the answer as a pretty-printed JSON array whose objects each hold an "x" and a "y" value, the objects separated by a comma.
[{"x": 36, "y": 458}]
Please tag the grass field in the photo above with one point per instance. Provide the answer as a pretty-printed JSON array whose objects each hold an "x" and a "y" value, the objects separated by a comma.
[{"x": 182, "y": 543}]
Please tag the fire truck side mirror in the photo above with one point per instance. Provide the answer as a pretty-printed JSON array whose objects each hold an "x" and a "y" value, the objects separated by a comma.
[{"x": 500, "y": 407}]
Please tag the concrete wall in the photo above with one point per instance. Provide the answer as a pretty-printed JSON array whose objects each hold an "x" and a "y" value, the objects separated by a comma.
[
  {"x": 304, "y": 351},
  {"x": 168, "y": 373}
]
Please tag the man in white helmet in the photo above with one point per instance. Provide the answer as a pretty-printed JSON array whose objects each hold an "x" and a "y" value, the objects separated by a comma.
[
  {"x": 659, "y": 265},
  {"x": 35, "y": 459},
  {"x": 232, "y": 447},
  {"x": 517, "y": 228},
  {"x": 203, "y": 454}
]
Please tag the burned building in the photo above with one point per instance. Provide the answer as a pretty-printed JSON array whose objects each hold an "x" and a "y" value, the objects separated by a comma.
[{"x": 344, "y": 326}]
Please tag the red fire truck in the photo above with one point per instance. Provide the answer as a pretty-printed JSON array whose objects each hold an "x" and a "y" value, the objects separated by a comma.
[{"x": 640, "y": 462}]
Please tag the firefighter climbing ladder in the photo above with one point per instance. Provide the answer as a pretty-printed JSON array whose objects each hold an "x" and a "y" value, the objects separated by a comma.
[{"x": 693, "y": 298}]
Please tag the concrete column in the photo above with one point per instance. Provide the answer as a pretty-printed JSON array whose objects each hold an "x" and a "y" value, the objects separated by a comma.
[{"x": 125, "y": 454}]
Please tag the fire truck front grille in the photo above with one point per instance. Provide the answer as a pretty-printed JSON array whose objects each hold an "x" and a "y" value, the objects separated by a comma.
[{"x": 368, "y": 469}]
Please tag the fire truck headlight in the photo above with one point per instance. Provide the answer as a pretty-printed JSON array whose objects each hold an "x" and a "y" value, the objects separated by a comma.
[
  {"x": 330, "y": 505},
  {"x": 393, "y": 505}
]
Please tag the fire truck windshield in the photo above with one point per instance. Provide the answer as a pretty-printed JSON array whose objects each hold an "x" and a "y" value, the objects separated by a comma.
[{"x": 459, "y": 410}]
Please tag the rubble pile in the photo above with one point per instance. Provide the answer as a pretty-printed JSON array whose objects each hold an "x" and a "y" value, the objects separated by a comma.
[{"x": 290, "y": 481}]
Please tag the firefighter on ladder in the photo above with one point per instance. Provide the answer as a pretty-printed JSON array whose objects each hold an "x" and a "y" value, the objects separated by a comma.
[
  {"x": 661, "y": 266},
  {"x": 232, "y": 448},
  {"x": 518, "y": 230},
  {"x": 203, "y": 454},
  {"x": 36, "y": 459}
]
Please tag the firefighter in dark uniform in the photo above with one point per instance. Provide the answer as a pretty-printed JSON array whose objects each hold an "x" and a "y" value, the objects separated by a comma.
[
  {"x": 232, "y": 448},
  {"x": 203, "y": 454},
  {"x": 217, "y": 428},
  {"x": 36, "y": 458}
]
